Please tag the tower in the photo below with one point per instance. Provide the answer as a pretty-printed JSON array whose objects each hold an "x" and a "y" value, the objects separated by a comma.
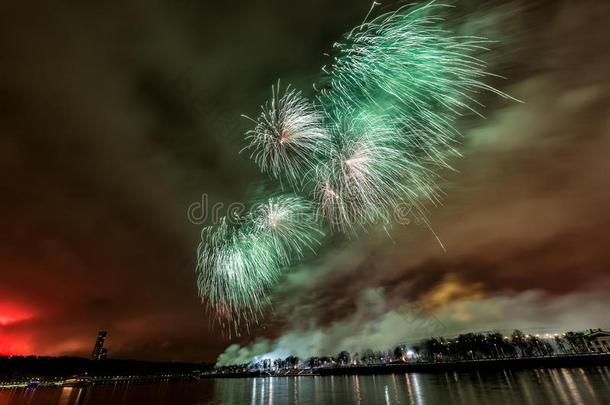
[{"x": 98, "y": 349}]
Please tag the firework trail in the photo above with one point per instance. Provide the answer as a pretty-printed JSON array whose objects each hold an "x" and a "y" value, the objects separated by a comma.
[{"x": 373, "y": 137}]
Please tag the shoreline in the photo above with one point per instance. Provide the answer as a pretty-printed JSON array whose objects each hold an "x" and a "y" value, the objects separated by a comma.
[
  {"x": 94, "y": 381},
  {"x": 563, "y": 361},
  {"x": 521, "y": 363}
]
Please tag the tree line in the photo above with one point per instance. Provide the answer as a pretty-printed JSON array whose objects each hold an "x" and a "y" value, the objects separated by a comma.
[{"x": 468, "y": 346}]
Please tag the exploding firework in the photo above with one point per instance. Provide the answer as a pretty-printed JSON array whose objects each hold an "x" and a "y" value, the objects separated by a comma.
[
  {"x": 404, "y": 66},
  {"x": 374, "y": 137},
  {"x": 383, "y": 124},
  {"x": 288, "y": 137},
  {"x": 235, "y": 269},
  {"x": 238, "y": 263},
  {"x": 363, "y": 175},
  {"x": 288, "y": 223},
  {"x": 410, "y": 80}
]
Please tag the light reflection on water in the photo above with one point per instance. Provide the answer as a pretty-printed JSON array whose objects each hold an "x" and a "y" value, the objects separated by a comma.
[{"x": 574, "y": 386}]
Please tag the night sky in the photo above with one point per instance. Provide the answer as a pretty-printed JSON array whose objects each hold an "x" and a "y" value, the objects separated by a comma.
[{"x": 114, "y": 119}]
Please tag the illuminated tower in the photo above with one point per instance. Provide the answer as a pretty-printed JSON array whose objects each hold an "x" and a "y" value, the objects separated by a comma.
[{"x": 98, "y": 349}]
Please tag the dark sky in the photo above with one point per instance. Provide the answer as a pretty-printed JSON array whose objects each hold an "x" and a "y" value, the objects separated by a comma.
[{"x": 114, "y": 118}]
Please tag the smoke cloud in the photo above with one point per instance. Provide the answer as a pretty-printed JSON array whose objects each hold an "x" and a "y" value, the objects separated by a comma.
[{"x": 372, "y": 328}]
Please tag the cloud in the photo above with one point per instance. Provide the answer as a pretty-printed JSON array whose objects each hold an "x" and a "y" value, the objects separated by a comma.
[{"x": 372, "y": 326}]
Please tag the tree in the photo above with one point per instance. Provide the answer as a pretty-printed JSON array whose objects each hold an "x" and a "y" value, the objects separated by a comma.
[
  {"x": 518, "y": 340},
  {"x": 399, "y": 353},
  {"x": 368, "y": 357},
  {"x": 577, "y": 342},
  {"x": 343, "y": 357},
  {"x": 560, "y": 344},
  {"x": 292, "y": 361},
  {"x": 432, "y": 348},
  {"x": 313, "y": 362}
]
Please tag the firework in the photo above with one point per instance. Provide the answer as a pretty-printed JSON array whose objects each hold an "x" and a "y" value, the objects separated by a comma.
[
  {"x": 382, "y": 126},
  {"x": 288, "y": 137},
  {"x": 234, "y": 270},
  {"x": 373, "y": 138},
  {"x": 363, "y": 176},
  {"x": 288, "y": 224},
  {"x": 404, "y": 66},
  {"x": 238, "y": 263},
  {"x": 408, "y": 80}
]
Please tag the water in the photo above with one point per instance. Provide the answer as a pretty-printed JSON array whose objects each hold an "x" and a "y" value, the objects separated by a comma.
[{"x": 573, "y": 386}]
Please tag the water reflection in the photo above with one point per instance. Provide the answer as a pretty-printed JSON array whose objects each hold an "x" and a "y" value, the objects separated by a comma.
[{"x": 575, "y": 386}]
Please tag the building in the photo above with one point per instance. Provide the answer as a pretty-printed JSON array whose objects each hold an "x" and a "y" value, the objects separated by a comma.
[
  {"x": 598, "y": 340},
  {"x": 98, "y": 349}
]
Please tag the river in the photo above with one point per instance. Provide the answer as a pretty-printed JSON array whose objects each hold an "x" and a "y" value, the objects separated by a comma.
[{"x": 551, "y": 386}]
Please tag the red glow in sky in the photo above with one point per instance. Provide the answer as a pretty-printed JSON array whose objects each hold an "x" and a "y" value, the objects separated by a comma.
[
  {"x": 11, "y": 343},
  {"x": 10, "y": 314},
  {"x": 14, "y": 346}
]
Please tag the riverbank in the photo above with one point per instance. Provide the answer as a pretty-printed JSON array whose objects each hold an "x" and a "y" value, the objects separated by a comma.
[
  {"x": 94, "y": 380},
  {"x": 563, "y": 361},
  {"x": 23, "y": 371}
]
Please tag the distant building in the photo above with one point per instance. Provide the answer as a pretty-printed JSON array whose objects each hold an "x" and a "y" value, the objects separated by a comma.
[
  {"x": 103, "y": 354},
  {"x": 98, "y": 349},
  {"x": 599, "y": 340}
]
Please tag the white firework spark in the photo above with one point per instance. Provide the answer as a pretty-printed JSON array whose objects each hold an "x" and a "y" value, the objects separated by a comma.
[{"x": 288, "y": 137}]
